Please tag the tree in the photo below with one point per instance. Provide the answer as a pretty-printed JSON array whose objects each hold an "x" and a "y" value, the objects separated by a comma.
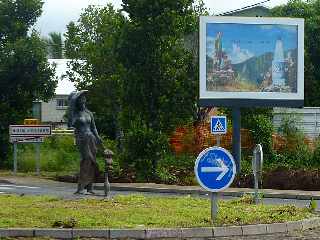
[
  {"x": 25, "y": 74},
  {"x": 310, "y": 11},
  {"x": 141, "y": 71},
  {"x": 160, "y": 88},
  {"x": 54, "y": 45},
  {"x": 92, "y": 42}
]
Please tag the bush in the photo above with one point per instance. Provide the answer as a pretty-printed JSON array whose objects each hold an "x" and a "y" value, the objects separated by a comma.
[
  {"x": 59, "y": 154},
  {"x": 295, "y": 154},
  {"x": 262, "y": 129},
  {"x": 143, "y": 148},
  {"x": 260, "y": 124},
  {"x": 288, "y": 127},
  {"x": 316, "y": 155},
  {"x": 177, "y": 169}
]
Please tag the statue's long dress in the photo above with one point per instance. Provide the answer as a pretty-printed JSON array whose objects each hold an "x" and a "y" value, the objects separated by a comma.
[{"x": 87, "y": 145}]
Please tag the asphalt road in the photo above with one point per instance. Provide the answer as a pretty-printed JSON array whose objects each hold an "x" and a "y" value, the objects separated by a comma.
[{"x": 66, "y": 190}]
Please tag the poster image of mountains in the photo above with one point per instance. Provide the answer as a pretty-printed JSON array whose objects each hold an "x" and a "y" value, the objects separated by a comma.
[{"x": 251, "y": 57}]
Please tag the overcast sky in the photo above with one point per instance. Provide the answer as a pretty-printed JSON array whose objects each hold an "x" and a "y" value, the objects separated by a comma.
[{"x": 58, "y": 13}]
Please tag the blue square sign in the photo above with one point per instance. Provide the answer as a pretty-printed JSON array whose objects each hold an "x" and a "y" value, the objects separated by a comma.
[{"x": 219, "y": 125}]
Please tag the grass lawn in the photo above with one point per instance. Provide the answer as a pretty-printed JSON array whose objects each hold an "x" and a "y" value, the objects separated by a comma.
[{"x": 137, "y": 211}]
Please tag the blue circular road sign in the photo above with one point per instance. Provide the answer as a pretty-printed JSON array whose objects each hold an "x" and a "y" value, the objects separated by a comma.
[{"x": 215, "y": 169}]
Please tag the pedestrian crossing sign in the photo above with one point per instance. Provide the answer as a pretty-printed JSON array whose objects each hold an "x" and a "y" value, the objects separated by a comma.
[{"x": 219, "y": 125}]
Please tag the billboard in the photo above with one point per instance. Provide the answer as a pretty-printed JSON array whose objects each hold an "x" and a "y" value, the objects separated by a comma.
[{"x": 251, "y": 61}]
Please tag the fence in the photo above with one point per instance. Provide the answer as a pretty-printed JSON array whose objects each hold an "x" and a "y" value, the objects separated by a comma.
[
  {"x": 307, "y": 119},
  {"x": 63, "y": 132}
]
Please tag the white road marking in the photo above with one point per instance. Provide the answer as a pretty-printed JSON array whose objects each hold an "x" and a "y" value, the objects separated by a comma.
[{"x": 18, "y": 186}]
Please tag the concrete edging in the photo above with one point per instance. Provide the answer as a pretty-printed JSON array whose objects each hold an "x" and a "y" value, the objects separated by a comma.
[{"x": 205, "y": 232}]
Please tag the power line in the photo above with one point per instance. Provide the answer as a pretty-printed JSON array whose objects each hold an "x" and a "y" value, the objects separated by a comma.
[{"x": 240, "y": 9}]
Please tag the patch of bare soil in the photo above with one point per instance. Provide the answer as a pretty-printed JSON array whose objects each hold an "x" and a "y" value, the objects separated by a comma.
[{"x": 284, "y": 179}]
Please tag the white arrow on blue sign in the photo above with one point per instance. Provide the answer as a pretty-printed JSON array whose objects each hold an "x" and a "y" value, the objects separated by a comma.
[
  {"x": 215, "y": 169},
  {"x": 219, "y": 125}
]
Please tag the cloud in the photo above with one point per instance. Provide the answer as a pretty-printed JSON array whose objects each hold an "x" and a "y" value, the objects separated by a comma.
[
  {"x": 239, "y": 55},
  {"x": 58, "y": 13}
]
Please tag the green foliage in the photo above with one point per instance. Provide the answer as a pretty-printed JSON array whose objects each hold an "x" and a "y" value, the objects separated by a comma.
[
  {"x": 262, "y": 129},
  {"x": 288, "y": 127},
  {"x": 139, "y": 147},
  {"x": 25, "y": 75},
  {"x": 245, "y": 199},
  {"x": 259, "y": 122},
  {"x": 161, "y": 84},
  {"x": 95, "y": 38},
  {"x": 65, "y": 223},
  {"x": 161, "y": 81},
  {"x": 58, "y": 154},
  {"x": 295, "y": 154},
  {"x": 16, "y": 17},
  {"x": 144, "y": 69},
  {"x": 176, "y": 169},
  {"x": 312, "y": 205},
  {"x": 246, "y": 163},
  {"x": 316, "y": 155},
  {"x": 310, "y": 11},
  {"x": 55, "y": 46}
]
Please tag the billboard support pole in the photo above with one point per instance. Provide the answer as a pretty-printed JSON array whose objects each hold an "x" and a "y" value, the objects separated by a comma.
[{"x": 236, "y": 137}]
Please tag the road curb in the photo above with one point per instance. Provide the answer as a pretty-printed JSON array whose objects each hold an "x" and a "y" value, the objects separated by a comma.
[
  {"x": 239, "y": 193},
  {"x": 205, "y": 232}
]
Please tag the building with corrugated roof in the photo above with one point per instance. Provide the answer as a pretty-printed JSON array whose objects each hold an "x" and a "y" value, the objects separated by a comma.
[{"x": 54, "y": 111}]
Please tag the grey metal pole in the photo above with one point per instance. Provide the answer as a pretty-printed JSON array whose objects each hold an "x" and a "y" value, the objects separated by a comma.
[
  {"x": 15, "y": 154},
  {"x": 214, "y": 195},
  {"x": 214, "y": 205},
  {"x": 218, "y": 140},
  {"x": 106, "y": 181},
  {"x": 256, "y": 189},
  {"x": 236, "y": 137},
  {"x": 37, "y": 158}
]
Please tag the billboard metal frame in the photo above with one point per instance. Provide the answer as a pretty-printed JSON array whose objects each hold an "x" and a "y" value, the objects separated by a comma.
[{"x": 251, "y": 99}]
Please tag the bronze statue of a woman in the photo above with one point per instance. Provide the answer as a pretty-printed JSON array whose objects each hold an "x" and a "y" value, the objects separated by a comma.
[{"x": 87, "y": 140}]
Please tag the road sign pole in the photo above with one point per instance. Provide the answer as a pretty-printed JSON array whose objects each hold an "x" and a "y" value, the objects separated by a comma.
[
  {"x": 214, "y": 205},
  {"x": 15, "y": 153},
  {"x": 256, "y": 190},
  {"x": 37, "y": 158},
  {"x": 214, "y": 195},
  {"x": 218, "y": 140}
]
